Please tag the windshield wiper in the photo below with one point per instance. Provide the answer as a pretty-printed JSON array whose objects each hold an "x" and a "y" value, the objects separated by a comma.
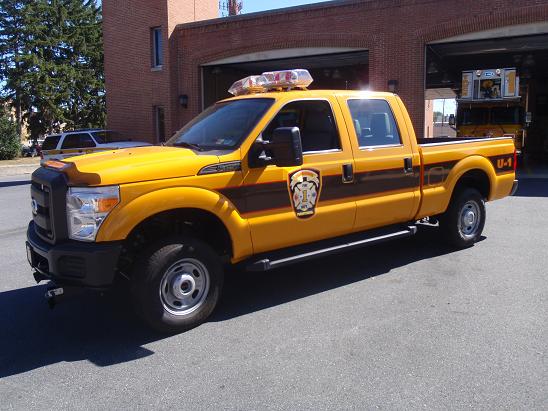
[{"x": 188, "y": 145}]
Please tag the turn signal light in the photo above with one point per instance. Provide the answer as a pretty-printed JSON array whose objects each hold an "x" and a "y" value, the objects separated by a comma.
[
  {"x": 55, "y": 164},
  {"x": 104, "y": 205}
]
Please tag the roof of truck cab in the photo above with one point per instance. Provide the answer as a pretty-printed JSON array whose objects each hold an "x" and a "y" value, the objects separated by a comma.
[{"x": 296, "y": 93}]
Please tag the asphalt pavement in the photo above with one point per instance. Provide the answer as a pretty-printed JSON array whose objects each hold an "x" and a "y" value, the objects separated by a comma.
[{"x": 404, "y": 325}]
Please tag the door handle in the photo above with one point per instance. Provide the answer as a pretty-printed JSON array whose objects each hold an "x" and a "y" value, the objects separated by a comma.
[
  {"x": 408, "y": 165},
  {"x": 348, "y": 173}
]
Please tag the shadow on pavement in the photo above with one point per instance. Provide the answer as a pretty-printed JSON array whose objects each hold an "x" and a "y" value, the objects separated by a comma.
[
  {"x": 104, "y": 330},
  {"x": 532, "y": 187},
  {"x": 82, "y": 327},
  {"x": 14, "y": 183},
  {"x": 247, "y": 292}
]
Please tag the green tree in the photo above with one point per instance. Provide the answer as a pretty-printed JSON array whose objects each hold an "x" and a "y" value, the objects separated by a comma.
[
  {"x": 61, "y": 65},
  {"x": 12, "y": 48},
  {"x": 10, "y": 145}
]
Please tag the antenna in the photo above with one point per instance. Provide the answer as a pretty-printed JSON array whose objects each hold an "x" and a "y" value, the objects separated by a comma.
[{"x": 230, "y": 7}]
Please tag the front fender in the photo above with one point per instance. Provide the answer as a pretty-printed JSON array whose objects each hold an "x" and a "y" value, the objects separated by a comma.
[{"x": 126, "y": 216}]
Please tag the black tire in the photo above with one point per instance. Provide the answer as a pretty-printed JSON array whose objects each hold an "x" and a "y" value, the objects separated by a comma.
[
  {"x": 454, "y": 223},
  {"x": 155, "y": 305}
]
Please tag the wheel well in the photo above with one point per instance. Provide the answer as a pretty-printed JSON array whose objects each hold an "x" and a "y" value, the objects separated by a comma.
[
  {"x": 477, "y": 179},
  {"x": 188, "y": 221}
]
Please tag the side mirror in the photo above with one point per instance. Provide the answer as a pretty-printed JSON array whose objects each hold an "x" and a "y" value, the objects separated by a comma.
[
  {"x": 452, "y": 120},
  {"x": 284, "y": 149}
]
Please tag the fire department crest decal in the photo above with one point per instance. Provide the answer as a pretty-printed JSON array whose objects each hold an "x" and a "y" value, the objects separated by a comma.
[{"x": 305, "y": 186}]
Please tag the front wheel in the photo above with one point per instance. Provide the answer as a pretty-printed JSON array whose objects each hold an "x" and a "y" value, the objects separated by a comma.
[
  {"x": 177, "y": 284},
  {"x": 463, "y": 222}
]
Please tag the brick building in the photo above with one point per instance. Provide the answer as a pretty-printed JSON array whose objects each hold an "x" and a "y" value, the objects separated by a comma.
[{"x": 167, "y": 59}]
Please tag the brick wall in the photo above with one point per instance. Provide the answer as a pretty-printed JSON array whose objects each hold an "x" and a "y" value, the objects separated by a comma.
[
  {"x": 133, "y": 88},
  {"x": 394, "y": 31}
]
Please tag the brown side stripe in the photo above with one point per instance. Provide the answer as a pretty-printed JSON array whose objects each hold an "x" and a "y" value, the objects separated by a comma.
[
  {"x": 436, "y": 173},
  {"x": 369, "y": 182},
  {"x": 257, "y": 197},
  {"x": 267, "y": 196},
  {"x": 260, "y": 197},
  {"x": 503, "y": 163}
]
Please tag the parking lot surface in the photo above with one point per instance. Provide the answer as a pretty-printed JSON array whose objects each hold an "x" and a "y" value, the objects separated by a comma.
[{"x": 403, "y": 325}]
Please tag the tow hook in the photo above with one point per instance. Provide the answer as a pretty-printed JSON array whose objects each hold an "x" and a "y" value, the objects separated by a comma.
[
  {"x": 38, "y": 276},
  {"x": 52, "y": 294}
]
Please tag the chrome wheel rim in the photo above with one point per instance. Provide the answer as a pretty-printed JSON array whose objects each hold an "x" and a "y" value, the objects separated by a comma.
[
  {"x": 469, "y": 220},
  {"x": 184, "y": 286}
]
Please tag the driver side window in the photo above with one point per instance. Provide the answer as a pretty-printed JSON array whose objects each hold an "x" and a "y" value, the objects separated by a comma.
[{"x": 315, "y": 121}]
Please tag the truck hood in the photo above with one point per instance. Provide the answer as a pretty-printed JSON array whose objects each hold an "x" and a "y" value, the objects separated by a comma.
[
  {"x": 126, "y": 144},
  {"x": 135, "y": 164}
]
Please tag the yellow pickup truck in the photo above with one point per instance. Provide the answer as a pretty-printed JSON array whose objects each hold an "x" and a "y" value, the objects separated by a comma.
[{"x": 271, "y": 177}]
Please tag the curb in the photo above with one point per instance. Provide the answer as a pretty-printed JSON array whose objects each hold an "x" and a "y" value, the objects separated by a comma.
[{"x": 14, "y": 169}]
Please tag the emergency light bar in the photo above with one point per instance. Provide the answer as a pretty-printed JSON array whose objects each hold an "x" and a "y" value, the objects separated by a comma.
[
  {"x": 284, "y": 79},
  {"x": 251, "y": 84}
]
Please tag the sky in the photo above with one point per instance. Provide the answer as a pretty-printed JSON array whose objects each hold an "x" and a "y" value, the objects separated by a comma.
[
  {"x": 251, "y": 6},
  {"x": 450, "y": 106}
]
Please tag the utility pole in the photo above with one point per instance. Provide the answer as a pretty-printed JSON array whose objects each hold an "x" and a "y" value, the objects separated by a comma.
[{"x": 231, "y": 7}]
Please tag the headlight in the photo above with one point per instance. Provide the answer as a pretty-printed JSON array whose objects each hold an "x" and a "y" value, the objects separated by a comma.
[{"x": 87, "y": 207}]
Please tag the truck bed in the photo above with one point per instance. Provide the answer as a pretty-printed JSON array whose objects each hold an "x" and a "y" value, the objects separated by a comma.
[
  {"x": 444, "y": 160},
  {"x": 447, "y": 139}
]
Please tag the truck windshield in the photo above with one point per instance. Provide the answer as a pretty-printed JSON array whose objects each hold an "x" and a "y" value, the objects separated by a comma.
[
  {"x": 474, "y": 116},
  {"x": 222, "y": 126},
  {"x": 505, "y": 115}
]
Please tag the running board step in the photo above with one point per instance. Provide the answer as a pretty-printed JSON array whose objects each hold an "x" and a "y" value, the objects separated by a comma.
[{"x": 297, "y": 254}]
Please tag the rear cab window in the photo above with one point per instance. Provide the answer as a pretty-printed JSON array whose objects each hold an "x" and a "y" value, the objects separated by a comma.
[
  {"x": 374, "y": 122},
  {"x": 50, "y": 143}
]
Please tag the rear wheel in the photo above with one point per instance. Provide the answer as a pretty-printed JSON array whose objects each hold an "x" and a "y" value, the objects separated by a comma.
[
  {"x": 177, "y": 284},
  {"x": 463, "y": 222}
]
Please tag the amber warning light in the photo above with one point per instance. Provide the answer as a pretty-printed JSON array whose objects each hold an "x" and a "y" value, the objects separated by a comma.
[
  {"x": 272, "y": 80},
  {"x": 55, "y": 164}
]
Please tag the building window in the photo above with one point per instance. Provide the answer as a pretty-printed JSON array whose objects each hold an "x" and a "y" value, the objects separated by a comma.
[
  {"x": 159, "y": 124},
  {"x": 156, "y": 47}
]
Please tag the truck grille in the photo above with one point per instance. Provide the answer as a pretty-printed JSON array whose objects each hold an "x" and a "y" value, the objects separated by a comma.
[
  {"x": 48, "y": 191},
  {"x": 41, "y": 210}
]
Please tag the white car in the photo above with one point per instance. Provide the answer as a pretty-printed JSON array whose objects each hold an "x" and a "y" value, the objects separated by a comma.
[{"x": 79, "y": 142}]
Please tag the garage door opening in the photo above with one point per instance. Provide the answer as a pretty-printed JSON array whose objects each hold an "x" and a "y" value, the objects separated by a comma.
[
  {"x": 339, "y": 71},
  {"x": 499, "y": 87}
]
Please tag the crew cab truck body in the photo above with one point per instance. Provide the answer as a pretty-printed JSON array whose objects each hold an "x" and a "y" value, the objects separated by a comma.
[{"x": 260, "y": 180}]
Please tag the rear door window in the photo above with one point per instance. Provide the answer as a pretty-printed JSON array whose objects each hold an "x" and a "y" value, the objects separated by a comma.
[
  {"x": 374, "y": 122},
  {"x": 80, "y": 140},
  {"x": 50, "y": 143}
]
